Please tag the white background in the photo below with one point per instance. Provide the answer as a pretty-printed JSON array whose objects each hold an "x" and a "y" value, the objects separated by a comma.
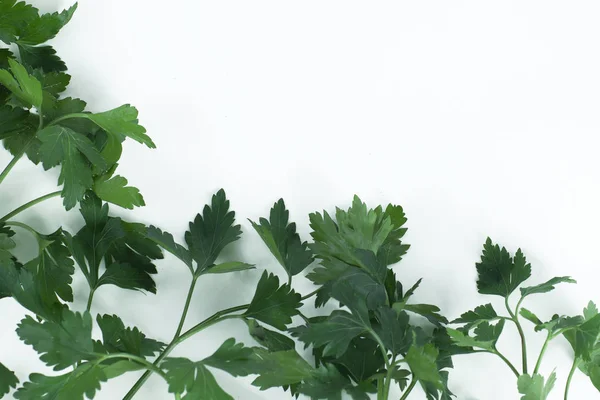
[{"x": 480, "y": 118}]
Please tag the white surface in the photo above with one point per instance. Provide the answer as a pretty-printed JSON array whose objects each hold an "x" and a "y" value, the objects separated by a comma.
[{"x": 480, "y": 118}]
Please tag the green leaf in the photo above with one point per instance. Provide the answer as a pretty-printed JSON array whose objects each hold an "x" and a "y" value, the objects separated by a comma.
[
  {"x": 590, "y": 311},
  {"x": 79, "y": 384},
  {"x": 534, "y": 388},
  {"x": 228, "y": 267},
  {"x": 326, "y": 383},
  {"x": 584, "y": 337},
  {"x": 116, "y": 338},
  {"x": 192, "y": 380},
  {"x": 528, "y": 315},
  {"x": 53, "y": 82},
  {"x": 13, "y": 121},
  {"x": 272, "y": 340},
  {"x": 53, "y": 269},
  {"x": 273, "y": 304},
  {"x": 357, "y": 228},
  {"x": 280, "y": 368},
  {"x": 486, "y": 332},
  {"x": 461, "y": 339},
  {"x": 116, "y": 191},
  {"x": 429, "y": 311},
  {"x": 485, "y": 312},
  {"x": 282, "y": 240},
  {"x": 498, "y": 273},
  {"x": 393, "y": 249},
  {"x": 394, "y": 330},
  {"x": 335, "y": 333},
  {"x": 8, "y": 380},
  {"x": 60, "y": 344},
  {"x": 42, "y": 57},
  {"x": 362, "y": 359},
  {"x": 14, "y": 16},
  {"x": 212, "y": 231},
  {"x": 234, "y": 358},
  {"x": 122, "y": 121},
  {"x": 24, "y": 86},
  {"x": 422, "y": 363},
  {"x": 166, "y": 241},
  {"x": 76, "y": 153},
  {"x": 546, "y": 286},
  {"x": 45, "y": 27}
]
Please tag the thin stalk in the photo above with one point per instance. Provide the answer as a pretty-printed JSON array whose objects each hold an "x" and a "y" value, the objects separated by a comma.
[
  {"x": 29, "y": 204},
  {"x": 515, "y": 319},
  {"x": 186, "y": 307},
  {"x": 409, "y": 389},
  {"x": 23, "y": 226},
  {"x": 507, "y": 361},
  {"x": 381, "y": 348},
  {"x": 388, "y": 379},
  {"x": 90, "y": 300},
  {"x": 380, "y": 388},
  {"x": 311, "y": 294},
  {"x": 213, "y": 319},
  {"x": 11, "y": 164},
  {"x": 568, "y": 385},
  {"x": 542, "y": 351},
  {"x": 289, "y": 282},
  {"x": 68, "y": 116},
  {"x": 149, "y": 366}
]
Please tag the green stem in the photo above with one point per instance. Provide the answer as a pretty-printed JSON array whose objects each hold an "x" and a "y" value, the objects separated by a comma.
[
  {"x": 388, "y": 379},
  {"x": 515, "y": 319},
  {"x": 507, "y": 361},
  {"x": 29, "y": 204},
  {"x": 149, "y": 366},
  {"x": 380, "y": 389},
  {"x": 186, "y": 307},
  {"x": 409, "y": 389},
  {"x": 90, "y": 299},
  {"x": 542, "y": 351},
  {"x": 568, "y": 385},
  {"x": 11, "y": 164},
  {"x": 23, "y": 226},
  {"x": 213, "y": 319},
  {"x": 68, "y": 116},
  {"x": 382, "y": 348},
  {"x": 311, "y": 294}
]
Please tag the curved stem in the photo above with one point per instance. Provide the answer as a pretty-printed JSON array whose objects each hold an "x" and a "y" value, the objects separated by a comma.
[
  {"x": 186, "y": 307},
  {"x": 382, "y": 348},
  {"x": 568, "y": 385},
  {"x": 388, "y": 379},
  {"x": 68, "y": 116},
  {"x": 409, "y": 389},
  {"x": 542, "y": 351},
  {"x": 29, "y": 204},
  {"x": 507, "y": 361},
  {"x": 11, "y": 164},
  {"x": 311, "y": 294},
  {"x": 140, "y": 360},
  {"x": 515, "y": 319},
  {"x": 213, "y": 319}
]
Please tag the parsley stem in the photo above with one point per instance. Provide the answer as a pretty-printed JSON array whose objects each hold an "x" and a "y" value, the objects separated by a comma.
[
  {"x": 568, "y": 385},
  {"x": 542, "y": 351},
  {"x": 213, "y": 319},
  {"x": 90, "y": 299},
  {"x": 11, "y": 164},
  {"x": 29, "y": 204},
  {"x": 311, "y": 294},
  {"x": 507, "y": 361},
  {"x": 515, "y": 318},
  {"x": 409, "y": 389},
  {"x": 186, "y": 307},
  {"x": 24, "y": 226},
  {"x": 388, "y": 379},
  {"x": 140, "y": 360}
]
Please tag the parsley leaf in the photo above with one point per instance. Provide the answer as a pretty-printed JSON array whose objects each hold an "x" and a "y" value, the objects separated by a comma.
[
  {"x": 14, "y": 16},
  {"x": 116, "y": 338},
  {"x": 273, "y": 304},
  {"x": 192, "y": 380},
  {"x": 422, "y": 363},
  {"x": 61, "y": 344},
  {"x": 282, "y": 240},
  {"x": 115, "y": 190},
  {"x": 121, "y": 121},
  {"x": 45, "y": 27},
  {"x": 42, "y": 57},
  {"x": 273, "y": 341},
  {"x": 394, "y": 330},
  {"x": 8, "y": 380},
  {"x": 24, "y": 86},
  {"x": 234, "y": 358},
  {"x": 498, "y": 273},
  {"x": 211, "y": 232},
  {"x": 166, "y": 241},
  {"x": 76, "y": 153},
  {"x": 280, "y": 368},
  {"x": 546, "y": 286},
  {"x": 534, "y": 388},
  {"x": 485, "y": 312}
]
